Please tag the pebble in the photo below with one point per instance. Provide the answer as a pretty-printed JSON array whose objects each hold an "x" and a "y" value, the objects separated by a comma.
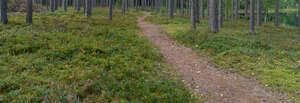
[{"x": 198, "y": 72}]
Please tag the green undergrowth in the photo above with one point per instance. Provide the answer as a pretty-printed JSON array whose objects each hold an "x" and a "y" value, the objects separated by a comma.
[
  {"x": 272, "y": 56},
  {"x": 65, "y": 57}
]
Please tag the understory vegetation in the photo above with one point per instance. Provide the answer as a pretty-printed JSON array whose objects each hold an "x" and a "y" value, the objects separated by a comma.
[
  {"x": 272, "y": 55},
  {"x": 66, "y": 57}
]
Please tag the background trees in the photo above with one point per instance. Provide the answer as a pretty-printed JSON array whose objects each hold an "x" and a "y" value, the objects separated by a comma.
[{"x": 267, "y": 10}]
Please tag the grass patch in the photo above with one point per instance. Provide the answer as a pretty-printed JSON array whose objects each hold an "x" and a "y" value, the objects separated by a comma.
[
  {"x": 65, "y": 57},
  {"x": 272, "y": 56}
]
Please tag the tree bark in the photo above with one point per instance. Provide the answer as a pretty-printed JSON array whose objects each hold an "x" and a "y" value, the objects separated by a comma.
[
  {"x": 226, "y": 9},
  {"x": 197, "y": 11},
  {"x": 110, "y": 9},
  {"x": 171, "y": 9},
  {"x": 237, "y": 7},
  {"x": 220, "y": 18},
  {"x": 193, "y": 13},
  {"x": 29, "y": 12},
  {"x": 213, "y": 18},
  {"x": 88, "y": 8},
  {"x": 259, "y": 13},
  {"x": 246, "y": 7},
  {"x": 232, "y": 10},
  {"x": 4, "y": 19},
  {"x": 252, "y": 17},
  {"x": 52, "y": 4},
  {"x": 64, "y": 2},
  {"x": 123, "y": 6},
  {"x": 277, "y": 13},
  {"x": 202, "y": 14},
  {"x": 208, "y": 7},
  {"x": 181, "y": 7}
]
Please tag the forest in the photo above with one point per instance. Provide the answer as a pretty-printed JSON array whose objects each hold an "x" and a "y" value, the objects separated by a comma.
[{"x": 149, "y": 51}]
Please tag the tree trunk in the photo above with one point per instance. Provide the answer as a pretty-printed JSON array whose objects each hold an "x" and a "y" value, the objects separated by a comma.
[
  {"x": 259, "y": 13},
  {"x": 64, "y": 2},
  {"x": 110, "y": 10},
  {"x": 193, "y": 13},
  {"x": 88, "y": 8},
  {"x": 29, "y": 12},
  {"x": 213, "y": 18},
  {"x": 123, "y": 6},
  {"x": 277, "y": 13},
  {"x": 52, "y": 4},
  {"x": 171, "y": 9},
  {"x": 47, "y": 4},
  {"x": 252, "y": 17},
  {"x": 220, "y": 18},
  {"x": 175, "y": 6},
  {"x": 197, "y": 11},
  {"x": 232, "y": 10},
  {"x": 208, "y": 7},
  {"x": 3, "y": 12},
  {"x": 202, "y": 14},
  {"x": 226, "y": 9},
  {"x": 237, "y": 7},
  {"x": 181, "y": 7},
  {"x": 246, "y": 8}
]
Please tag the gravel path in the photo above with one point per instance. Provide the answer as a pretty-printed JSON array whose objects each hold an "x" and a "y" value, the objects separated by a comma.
[{"x": 201, "y": 76}]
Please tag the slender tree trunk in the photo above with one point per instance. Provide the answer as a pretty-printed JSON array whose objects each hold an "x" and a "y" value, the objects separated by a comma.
[
  {"x": 3, "y": 12},
  {"x": 197, "y": 11},
  {"x": 110, "y": 10},
  {"x": 175, "y": 6},
  {"x": 252, "y": 16},
  {"x": 277, "y": 13},
  {"x": 47, "y": 4},
  {"x": 237, "y": 7},
  {"x": 193, "y": 13},
  {"x": 259, "y": 13},
  {"x": 65, "y": 4},
  {"x": 29, "y": 12},
  {"x": 202, "y": 14},
  {"x": 213, "y": 18},
  {"x": 208, "y": 7},
  {"x": 246, "y": 8},
  {"x": 232, "y": 10},
  {"x": 52, "y": 4},
  {"x": 220, "y": 21},
  {"x": 181, "y": 8},
  {"x": 226, "y": 9},
  {"x": 171, "y": 9},
  {"x": 88, "y": 8},
  {"x": 123, "y": 7}
]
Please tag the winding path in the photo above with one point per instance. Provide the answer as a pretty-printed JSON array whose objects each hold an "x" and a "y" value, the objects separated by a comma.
[{"x": 201, "y": 76}]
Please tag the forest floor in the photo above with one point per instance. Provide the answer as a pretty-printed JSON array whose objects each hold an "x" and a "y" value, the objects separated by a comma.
[
  {"x": 64, "y": 57},
  {"x": 203, "y": 77}
]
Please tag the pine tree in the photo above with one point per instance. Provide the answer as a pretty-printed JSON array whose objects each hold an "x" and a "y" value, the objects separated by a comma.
[
  {"x": 220, "y": 16},
  {"x": 259, "y": 13},
  {"x": 252, "y": 17},
  {"x": 29, "y": 12},
  {"x": 277, "y": 13},
  {"x": 110, "y": 9},
  {"x": 213, "y": 15},
  {"x": 4, "y": 19}
]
